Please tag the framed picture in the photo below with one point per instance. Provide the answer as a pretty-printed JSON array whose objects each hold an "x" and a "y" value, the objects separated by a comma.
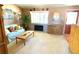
[{"x": 8, "y": 14}]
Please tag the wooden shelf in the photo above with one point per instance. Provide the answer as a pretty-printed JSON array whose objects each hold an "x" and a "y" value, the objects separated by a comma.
[{"x": 1, "y": 44}]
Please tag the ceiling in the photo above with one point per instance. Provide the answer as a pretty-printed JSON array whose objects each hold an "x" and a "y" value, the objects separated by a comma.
[
  {"x": 42, "y": 5},
  {"x": 47, "y": 3}
]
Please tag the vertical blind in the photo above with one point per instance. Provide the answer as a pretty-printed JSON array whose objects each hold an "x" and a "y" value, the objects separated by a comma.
[{"x": 39, "y": 17}]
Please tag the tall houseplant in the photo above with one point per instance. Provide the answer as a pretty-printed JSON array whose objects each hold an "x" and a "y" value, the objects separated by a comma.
[{"x": 26, "y": 21}]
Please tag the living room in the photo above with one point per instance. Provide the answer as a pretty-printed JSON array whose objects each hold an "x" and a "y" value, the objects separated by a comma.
[{"x": 49, "y": 24}]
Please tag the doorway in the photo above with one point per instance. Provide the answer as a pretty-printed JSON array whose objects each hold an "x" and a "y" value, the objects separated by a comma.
[{"x": 70, "y": 20}]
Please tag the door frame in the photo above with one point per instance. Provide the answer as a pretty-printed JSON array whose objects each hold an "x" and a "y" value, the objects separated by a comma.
[
  {"x": 66, "y": 17},
  {"x": 4, "y": 41}
]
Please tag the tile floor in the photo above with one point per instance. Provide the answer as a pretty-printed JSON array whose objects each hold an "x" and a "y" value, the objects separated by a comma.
[{"x": 41, "y": 43}]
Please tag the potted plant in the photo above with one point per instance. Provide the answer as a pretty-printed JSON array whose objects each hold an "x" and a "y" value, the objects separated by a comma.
[{"x": 26, "y": 21}]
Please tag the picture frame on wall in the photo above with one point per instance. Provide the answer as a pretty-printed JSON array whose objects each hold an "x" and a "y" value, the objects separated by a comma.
[{"x": 8, "y": 14}]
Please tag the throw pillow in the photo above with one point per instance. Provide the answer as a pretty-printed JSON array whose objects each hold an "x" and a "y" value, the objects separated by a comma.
[
  {"x": 17, "y": 27},
  {"x": 11, "y": 29}
]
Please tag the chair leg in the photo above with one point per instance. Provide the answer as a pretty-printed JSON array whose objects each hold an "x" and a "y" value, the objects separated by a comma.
[
  {"x": 16, "y": 40},
  {"x": 24, "y": 42},
  {"x": 33, "y": 34}
]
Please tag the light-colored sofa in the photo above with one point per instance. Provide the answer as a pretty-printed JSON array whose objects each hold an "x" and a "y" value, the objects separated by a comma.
[{"x": 12, "y": 35}]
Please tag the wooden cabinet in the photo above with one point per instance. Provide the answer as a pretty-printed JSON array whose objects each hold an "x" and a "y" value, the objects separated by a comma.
[
  {"x": 0, "y": 36},
  {"x": 2, "y": 48},
  {"x": 74, "y": 39},
  {"x": 67, "y": 29},
  {"x": 3, "y": 43},
  {"x": 55, "y": 29}
]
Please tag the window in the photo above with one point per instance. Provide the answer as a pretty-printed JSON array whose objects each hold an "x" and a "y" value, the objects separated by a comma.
[
  {"x": 39, "y": 17},
  {"x": 71, "y": 17}
]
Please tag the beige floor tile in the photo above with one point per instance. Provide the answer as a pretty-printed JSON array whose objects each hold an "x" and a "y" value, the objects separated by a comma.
[{"x": 41, "y": 43}]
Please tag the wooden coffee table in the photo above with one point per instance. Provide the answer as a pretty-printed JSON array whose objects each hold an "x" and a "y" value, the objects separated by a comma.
[{"x": 25, "y": 35}]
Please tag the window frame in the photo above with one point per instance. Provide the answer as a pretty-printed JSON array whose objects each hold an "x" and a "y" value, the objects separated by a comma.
[
  {"x": 40, "y": 16},
  {"x": 73, "y": 11}
]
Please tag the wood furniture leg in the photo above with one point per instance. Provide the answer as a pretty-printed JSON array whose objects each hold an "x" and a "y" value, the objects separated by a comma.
[
  {"x": 33, "y": 34},
  {"x": 24, "y": 42},
  {"x": 16, "y": 40}
]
